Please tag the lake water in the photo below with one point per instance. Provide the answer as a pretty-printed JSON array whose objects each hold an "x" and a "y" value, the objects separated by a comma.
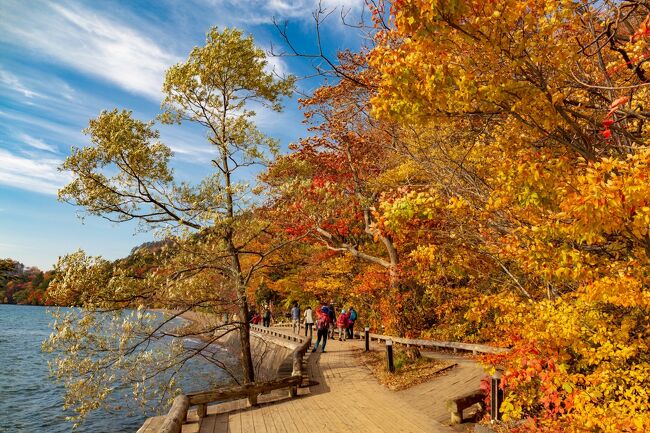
[{"x": 31, "y": 402}]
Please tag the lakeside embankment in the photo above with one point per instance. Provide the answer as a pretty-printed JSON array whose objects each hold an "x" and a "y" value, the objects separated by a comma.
[{"x": 268, "y": 353}]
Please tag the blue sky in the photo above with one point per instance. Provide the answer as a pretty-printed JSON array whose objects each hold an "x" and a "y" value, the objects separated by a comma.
[{"x": 62, "y": 62}]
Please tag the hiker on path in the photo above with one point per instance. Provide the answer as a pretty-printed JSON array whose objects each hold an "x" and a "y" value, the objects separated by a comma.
[
  {"x": 322, "y": 328},
  {"x": 352, "y": 317},
  {"x": 332, "y": 315},
  {"x": 309, "y": 321},
  {"x": 267, "y": 318},
  {"x": 295, "y": 318},
  {"x": 342, "y": 324}
]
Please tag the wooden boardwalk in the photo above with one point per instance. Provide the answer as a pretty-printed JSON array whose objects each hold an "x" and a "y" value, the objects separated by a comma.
[
  {"x": 346, "y": 399},
  {"x": 429, "y": 397}
]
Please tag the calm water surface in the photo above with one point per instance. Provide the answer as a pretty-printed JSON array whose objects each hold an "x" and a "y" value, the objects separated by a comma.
[{"x": 30, "y": 401}]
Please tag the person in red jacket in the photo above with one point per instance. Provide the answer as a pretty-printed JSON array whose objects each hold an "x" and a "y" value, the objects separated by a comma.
[
  {"x": 342, "y": 324},
  {"x": 322, "y": 327},
  {"x": 256, "y": 318}
]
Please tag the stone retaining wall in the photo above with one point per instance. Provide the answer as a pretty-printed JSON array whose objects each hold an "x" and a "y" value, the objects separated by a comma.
[{"x": 271, "y": 355}]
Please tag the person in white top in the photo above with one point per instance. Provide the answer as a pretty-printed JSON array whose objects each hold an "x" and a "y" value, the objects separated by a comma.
[{"x": 309, "y": 321}]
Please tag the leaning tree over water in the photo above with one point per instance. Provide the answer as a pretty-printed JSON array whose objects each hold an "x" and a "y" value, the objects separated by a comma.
[{"x": 215, "y": 243}]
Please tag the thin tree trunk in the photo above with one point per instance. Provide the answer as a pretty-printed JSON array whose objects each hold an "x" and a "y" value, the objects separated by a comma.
[{"x": 244, "y": 328}]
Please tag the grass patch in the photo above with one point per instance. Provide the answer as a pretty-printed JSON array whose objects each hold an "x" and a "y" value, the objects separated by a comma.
[{"x": 408, "y": 371}]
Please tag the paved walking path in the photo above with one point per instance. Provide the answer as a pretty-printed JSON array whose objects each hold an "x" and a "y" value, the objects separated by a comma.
[{"x": 346, "y": 399}]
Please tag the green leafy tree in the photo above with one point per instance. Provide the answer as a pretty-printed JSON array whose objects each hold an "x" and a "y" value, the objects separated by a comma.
[
  {"x": 215, "y": 243},
  {"x": 214, "y": 89}
]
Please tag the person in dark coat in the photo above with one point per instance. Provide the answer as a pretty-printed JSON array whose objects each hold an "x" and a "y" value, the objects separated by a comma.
[
  {"x": 267, "y": 318},
  {"x": 332, "y": 316},
  {"x": 352, "y": 317}
]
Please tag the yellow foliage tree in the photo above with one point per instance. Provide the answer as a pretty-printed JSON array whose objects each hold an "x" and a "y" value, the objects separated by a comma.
[{"x": 560, "y": 205}]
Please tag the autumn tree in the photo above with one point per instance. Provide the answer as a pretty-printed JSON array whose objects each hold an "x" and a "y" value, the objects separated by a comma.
[
  {"x": 9, "y": 269},
  {"x": 329, "y": 186},
  {"x": 214, "y": 89},
  {"x": 560, "y": 208},
  {"x": 215, "y": 242}
]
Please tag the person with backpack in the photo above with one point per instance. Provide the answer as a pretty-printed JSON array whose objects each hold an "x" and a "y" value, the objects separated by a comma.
[
  {"x": 322, "y": 328},
  {"x": 309, "y": 321},
  {"x": 342, "y": 325},
  {"x": 352, "y": 317},
  {"x": 332, "y": 314}
]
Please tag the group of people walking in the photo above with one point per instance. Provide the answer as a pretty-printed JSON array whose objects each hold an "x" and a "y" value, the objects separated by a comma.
[
  {"x": 265, "y": 319},
  {"x": 326, "y": 321}
]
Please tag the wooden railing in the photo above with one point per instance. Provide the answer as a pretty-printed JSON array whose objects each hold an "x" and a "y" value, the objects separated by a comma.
[
  {"x": 421, "y": 343},
  {"x": 274, "y": 333},
  {"x": 178, "y": 412},
  {"x": 455, "y": 346},
  {"x": 176, "y": 415}
]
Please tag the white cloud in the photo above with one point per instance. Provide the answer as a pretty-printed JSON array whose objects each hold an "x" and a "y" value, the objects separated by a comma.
[
  {"x": 37, "y": 175},
  {"x": 192, "y": 153},
  {"x": 36, "y": 143},
  {"x": 90, "y": 43},
  {"x": 188, "y": 144},
  {"x": 36, "y": 83},
  {"x": 67, "y": 92},
  {"x": 55, "y": 126},
  {"x": 263, "y": 11},
  {"x": 275, "y": 65},
  {"x": 14, "y": 83}
]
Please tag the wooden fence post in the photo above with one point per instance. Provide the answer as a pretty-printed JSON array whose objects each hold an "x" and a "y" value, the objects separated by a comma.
[
  {"x": 389, "y": 355},
  {"x": 496, "y": 397},
  {"x": 201, "y": 410},
  {"x": 176, "y": 416},
  {"x": 367, "y": 331}
]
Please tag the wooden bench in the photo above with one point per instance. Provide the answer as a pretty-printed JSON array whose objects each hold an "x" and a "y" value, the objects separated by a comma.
[{"x": 460, "y": 403}]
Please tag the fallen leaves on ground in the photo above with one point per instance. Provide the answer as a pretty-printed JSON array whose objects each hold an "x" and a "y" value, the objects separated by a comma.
[{"x": 407, "y": 372}]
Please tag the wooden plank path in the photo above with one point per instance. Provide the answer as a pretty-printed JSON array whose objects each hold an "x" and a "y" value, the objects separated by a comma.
[
  {"x": 347, "y": 399},
  {"x": 429, "y": 397}
]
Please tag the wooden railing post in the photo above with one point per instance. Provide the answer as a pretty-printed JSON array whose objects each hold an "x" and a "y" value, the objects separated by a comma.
[
  {"x": 202, "y": 410},
  {"x": 389, "y": 356},
  {"x": 367, "y": 331},
  {"x": 496, "y": 397},
  {"x": 176, "y": 415},
  {"x": 296, "y": 370}
]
